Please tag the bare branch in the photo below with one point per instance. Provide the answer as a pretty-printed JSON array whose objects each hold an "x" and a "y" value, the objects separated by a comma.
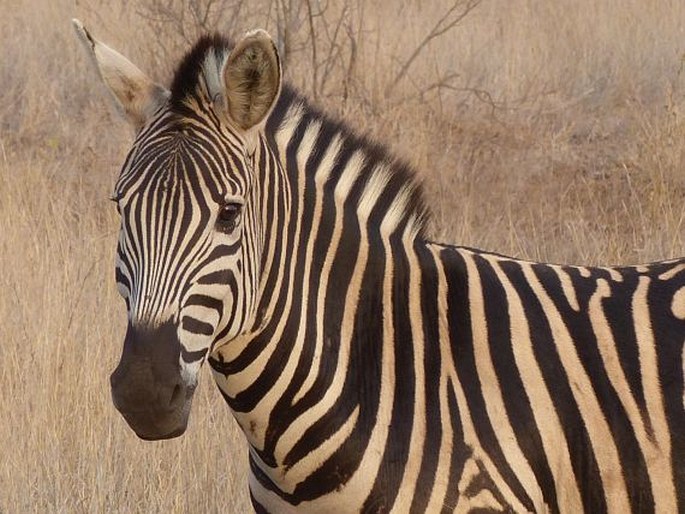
[
  {"x": 442, "y": 26},
  {"x": 315, "y": 62}
]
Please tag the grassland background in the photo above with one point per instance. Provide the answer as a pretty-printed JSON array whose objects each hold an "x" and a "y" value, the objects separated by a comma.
[{"x": 545, "y": 129}]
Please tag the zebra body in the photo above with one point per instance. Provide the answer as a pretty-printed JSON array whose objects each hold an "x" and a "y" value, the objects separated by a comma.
[
  {"x": 525, "y": 384},
  {"x": 370, "y": 369}
]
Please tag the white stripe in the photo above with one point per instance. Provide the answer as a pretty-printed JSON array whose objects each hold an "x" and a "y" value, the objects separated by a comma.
[{"x": 664, "y": 489}]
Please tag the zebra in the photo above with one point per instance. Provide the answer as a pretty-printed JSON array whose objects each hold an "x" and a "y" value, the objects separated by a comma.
[{"x": 370, "y": 368}]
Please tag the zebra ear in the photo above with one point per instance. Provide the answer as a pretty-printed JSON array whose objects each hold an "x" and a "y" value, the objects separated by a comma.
[
  {"x": 136, "y": 96},
  {"x": 252, "y": 79}
]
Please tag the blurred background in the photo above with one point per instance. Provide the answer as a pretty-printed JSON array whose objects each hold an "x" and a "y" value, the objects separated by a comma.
[{"x": 548, "y": 130}]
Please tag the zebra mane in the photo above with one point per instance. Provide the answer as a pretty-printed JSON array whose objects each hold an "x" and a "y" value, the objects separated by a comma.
[
  {"x": 386, "y": 184},
  {"x": 389, "y": 184},
  {"x": 202, "y": 61}
]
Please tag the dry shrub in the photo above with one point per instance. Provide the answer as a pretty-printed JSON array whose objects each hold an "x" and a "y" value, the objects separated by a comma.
[{"x": 547, "y": 130}]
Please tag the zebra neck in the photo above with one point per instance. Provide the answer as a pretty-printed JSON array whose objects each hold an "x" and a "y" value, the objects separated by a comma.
[{"x": 341, "y": 221}]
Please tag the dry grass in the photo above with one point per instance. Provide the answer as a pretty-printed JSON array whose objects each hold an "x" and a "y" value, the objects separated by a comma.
[{"x": 559, "y": 137}]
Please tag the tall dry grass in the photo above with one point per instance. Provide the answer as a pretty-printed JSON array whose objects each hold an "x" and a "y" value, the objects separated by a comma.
[{"x": 548, "y": 130}]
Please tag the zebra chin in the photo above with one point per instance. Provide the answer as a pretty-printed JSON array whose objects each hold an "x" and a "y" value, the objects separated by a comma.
[
  {"x": 158, "y": 425},
  {"x": 148, "y": 386}
]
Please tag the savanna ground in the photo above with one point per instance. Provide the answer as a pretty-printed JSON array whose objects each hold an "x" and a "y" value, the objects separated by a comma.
[{"x": 544, "y": 129}]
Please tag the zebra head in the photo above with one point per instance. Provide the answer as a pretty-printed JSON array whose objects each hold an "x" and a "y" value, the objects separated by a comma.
[{"x": 188, "y": 253}]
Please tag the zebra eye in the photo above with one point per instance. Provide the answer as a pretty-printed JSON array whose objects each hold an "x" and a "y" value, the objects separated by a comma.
[{"x": 229, "y": 216}]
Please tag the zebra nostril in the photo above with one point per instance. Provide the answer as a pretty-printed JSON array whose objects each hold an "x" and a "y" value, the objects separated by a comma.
[{"x": 176, "y": 395}]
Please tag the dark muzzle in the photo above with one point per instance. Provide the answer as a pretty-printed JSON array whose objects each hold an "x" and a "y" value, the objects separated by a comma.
[{"x": 147, "y": 386}]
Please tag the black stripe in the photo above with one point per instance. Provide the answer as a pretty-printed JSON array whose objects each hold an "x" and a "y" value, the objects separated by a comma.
[
  {"x": 220, "y": 277},
  {"x": 196, "y": 326},
  {"x": 120, "y": 278},
  {"x": 668, "y": 333},
  {"x": 544, "y": 346},
  {"x": 432, "y": 370},
  {"x": 460, "y": 452},
  {"x": 205, "y": 301},
  {"x": 190, "y": 357}
]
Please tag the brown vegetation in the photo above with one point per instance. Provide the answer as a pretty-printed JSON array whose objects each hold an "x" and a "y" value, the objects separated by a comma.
[{"x": 547, "y": 130}]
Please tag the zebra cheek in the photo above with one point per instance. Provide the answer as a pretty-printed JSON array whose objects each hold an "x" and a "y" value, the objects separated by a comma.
[{"x": 198, "y": 323}]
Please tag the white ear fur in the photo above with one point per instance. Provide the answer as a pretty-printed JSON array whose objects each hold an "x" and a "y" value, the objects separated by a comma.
[
  {"x": 136, "y": 95},
  {"x": 252, "y": 80}
]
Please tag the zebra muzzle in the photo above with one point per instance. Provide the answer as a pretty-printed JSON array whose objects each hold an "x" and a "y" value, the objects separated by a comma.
[{"x": 148, "y": 388}]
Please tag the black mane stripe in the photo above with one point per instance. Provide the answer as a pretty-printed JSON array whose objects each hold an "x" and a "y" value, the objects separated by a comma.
[
  {"x": 187, "y": 74},
  {"x": 186, "y": 85}
]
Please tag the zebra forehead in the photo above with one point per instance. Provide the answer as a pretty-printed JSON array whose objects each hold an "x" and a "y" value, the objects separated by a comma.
[{"x": 181, "y": 166}]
